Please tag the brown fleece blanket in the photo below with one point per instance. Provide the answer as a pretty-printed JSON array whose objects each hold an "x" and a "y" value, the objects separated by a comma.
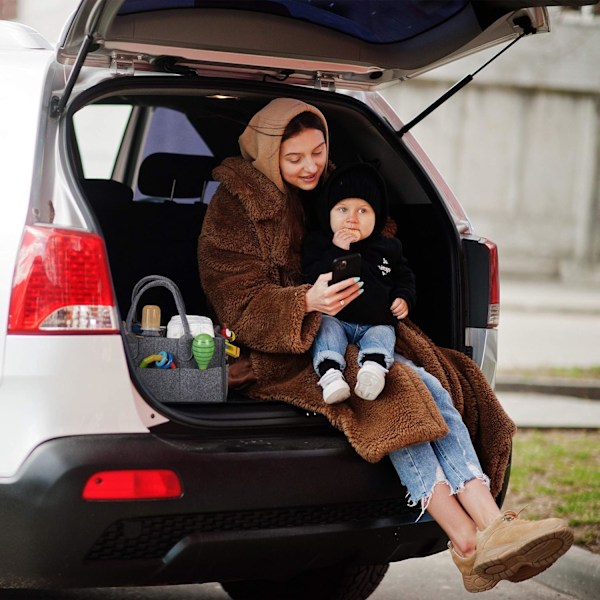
[{"x": 254, "y": 286}]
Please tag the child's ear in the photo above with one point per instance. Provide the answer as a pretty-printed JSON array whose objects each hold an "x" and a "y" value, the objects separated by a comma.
[{"x": 390, "y": 228}]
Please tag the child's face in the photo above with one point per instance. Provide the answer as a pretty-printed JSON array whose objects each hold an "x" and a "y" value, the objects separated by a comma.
[{"x": 354, "y": 216}]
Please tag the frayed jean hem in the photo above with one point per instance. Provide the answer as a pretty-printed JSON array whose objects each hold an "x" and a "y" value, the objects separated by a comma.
[
  {"x": 425, "y": 499},
  {"x": 450, "y": 459}
]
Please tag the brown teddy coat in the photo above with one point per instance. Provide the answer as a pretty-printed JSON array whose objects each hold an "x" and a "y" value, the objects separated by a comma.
[{"x": 252, "y": 286}]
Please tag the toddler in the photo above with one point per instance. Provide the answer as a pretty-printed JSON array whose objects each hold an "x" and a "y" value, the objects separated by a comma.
[{"x": 351, "y": 216}]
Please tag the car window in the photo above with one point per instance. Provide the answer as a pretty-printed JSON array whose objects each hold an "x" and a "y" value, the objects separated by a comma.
[
  {"x": 99, "y": 130},
  {"x": 376, "y": 21},
  {"x": 170, "y": 131}
]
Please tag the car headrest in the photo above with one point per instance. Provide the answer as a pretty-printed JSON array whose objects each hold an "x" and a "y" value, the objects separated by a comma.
[
  {"x": 167, "y": 175},
  {"x": 106, "y": 194}
]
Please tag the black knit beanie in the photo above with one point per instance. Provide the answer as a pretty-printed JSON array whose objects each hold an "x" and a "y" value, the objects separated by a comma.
[{"x": 357, "y": 180}]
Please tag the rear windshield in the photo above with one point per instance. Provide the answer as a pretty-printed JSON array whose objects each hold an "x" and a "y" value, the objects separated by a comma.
[{"x": 375, "y": 21}]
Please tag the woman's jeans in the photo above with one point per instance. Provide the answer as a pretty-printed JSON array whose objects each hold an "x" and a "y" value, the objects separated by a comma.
[
  {"x": 451, "y": 459},
  {"x": 334, "y": 336}
]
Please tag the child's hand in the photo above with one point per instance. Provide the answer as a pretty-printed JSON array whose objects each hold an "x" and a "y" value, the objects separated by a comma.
[
  {"x": 342, "y": 238},
  {"x": 399, "y": 308}
]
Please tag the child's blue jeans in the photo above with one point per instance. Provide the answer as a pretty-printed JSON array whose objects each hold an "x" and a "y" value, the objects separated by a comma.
[{"x": 334, "y": 336}]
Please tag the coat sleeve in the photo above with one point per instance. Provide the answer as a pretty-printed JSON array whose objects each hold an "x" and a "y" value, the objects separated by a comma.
[{"x": 244, "y": 288}]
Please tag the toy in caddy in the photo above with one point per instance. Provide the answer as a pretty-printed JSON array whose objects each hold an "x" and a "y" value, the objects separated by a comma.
[{"x": 203, "y": 348}]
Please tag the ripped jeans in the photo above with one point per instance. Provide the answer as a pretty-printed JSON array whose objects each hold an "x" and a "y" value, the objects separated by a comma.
[{"x": 451, "y": 459}]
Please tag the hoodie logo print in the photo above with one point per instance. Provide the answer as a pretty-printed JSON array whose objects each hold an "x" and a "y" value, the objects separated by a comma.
[{"x": 383, "y": 268}]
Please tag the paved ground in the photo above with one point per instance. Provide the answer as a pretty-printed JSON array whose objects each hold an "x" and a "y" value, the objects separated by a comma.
[
  {"x": 548, "y": 325},
  {"x": 575, "y": 576},
  {"x": 549, "y": 296},
  {"x": 550, "y": 411}
]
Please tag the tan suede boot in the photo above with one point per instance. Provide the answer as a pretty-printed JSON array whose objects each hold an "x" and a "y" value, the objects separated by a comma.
[
  {"x": 472, "y": 581},
  {"x": 510, "y": 544}
]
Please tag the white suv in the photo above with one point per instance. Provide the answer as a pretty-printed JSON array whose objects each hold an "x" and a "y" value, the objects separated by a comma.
[{"x": 103, "y": 484}]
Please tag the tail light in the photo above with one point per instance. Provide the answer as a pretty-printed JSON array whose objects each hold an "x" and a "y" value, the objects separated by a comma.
[
  {"x": 136, "y": 484},
  {"x": 61, "y": 284},
  {"x": 494, "y": 298}
]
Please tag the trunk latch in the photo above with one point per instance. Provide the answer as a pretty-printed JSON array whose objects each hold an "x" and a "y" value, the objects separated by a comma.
[{"x": 325, "y": 82}]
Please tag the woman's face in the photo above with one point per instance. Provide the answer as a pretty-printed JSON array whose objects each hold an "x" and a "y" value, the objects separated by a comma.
[{"x": 302, "y": 159}]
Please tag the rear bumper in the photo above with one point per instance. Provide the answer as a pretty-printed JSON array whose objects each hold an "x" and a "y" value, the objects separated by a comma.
[
  {"x": 484, "y": 343},
  {"x": 250, "y": 508}
]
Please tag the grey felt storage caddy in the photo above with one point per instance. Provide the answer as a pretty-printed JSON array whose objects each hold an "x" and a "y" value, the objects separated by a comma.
[{"x": 185, "y": 383}]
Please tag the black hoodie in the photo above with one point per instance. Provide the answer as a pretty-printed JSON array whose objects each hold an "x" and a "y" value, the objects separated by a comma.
[{"x": 384, "y": 269}]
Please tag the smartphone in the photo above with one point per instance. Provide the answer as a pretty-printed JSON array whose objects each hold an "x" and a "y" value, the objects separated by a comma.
[{"x": 345, "y": 266}]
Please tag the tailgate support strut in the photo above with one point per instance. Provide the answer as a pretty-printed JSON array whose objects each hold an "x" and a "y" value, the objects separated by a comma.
[
  {"x": 523, "y": 22},
  {"x": 58, "y": 104}
]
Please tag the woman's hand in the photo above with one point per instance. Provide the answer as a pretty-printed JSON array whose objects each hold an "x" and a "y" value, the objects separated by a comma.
[
  {"x": 330, "y": 299},
  {"x": 399, "y": 308}
]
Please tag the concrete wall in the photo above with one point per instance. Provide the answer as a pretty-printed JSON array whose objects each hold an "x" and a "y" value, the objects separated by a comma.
[
  {"x": 520, "y": 147},
  {"x": 46, "y": 16}
]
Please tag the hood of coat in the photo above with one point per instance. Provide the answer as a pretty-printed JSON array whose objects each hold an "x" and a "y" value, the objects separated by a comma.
[
  {"x": 259, "y": 195},
  {"x": 262, "y": 203},
  {"x": 261, "y": 140}
]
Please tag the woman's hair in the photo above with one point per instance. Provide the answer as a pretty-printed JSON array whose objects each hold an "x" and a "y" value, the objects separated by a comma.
[
  {"x": 294, "y": 218},
  {"x": 305, "y": 120}
]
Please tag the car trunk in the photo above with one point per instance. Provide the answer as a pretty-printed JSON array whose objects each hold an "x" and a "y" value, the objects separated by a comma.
[
  {"x": 211, "y": 66},
  {"x": 158, "y": 235}
]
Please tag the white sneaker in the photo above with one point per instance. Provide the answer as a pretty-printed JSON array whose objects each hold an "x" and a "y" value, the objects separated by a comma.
[
  {"x": 370, "y": 380},
  {"x": 335, "y": 388}
]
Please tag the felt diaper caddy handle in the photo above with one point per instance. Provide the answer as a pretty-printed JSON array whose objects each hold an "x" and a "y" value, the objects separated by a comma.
[{"x": 167, "y": 367}]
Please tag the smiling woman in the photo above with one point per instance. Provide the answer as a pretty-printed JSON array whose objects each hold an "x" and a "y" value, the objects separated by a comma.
[{"x": 279, "y": 319}]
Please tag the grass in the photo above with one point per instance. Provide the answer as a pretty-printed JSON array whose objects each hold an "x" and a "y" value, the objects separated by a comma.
[{"x": 557, "y": 473}]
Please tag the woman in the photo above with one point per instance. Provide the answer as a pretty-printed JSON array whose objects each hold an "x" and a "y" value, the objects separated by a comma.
[{"x": 253, "y": 281}]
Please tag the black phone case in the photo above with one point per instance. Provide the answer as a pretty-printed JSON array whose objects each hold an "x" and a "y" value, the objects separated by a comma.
[{"x": 345, "y": 266}]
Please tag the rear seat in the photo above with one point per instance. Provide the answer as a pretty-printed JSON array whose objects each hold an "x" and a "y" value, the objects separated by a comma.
[{"x": 158, "y": 236}]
